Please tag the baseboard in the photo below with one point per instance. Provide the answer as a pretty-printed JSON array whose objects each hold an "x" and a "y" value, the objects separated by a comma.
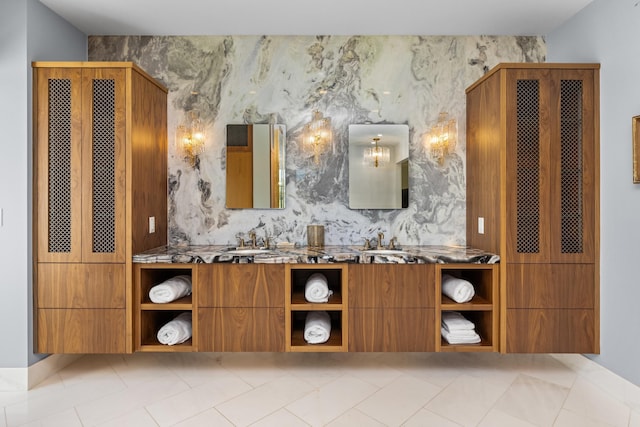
[{"x": 22, "y": 379}]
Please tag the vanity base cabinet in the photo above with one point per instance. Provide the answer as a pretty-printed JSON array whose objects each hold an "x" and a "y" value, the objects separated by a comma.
[
  {"x": 240, "y": 307},
  {"x": 392, "y": 307}
]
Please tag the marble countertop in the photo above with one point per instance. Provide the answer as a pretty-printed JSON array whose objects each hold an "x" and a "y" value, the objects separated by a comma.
[{"x": 306, "y": 255}]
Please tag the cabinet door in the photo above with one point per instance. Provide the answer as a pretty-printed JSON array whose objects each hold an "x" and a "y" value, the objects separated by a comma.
[
  {"x": 103, "y": 165},
  {"x": 80, "y": 164},
  {"x": 551, "y": 162},
  {"x": 58, "y": 133},
  {"x": 572, "y": 179}
]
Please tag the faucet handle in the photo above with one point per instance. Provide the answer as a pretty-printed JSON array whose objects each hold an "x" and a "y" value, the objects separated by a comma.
[
  {"x": 240, "y": 242},
  {"x": 392, "y": 242},
  {"x": 367, "y": 244}
]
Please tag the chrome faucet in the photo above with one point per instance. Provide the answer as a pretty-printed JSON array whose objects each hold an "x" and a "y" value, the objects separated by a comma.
[{"x": 380, "y": 237}]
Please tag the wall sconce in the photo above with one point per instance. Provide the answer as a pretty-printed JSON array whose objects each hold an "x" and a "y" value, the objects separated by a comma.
[
  {"x": 442, "y": 137},
  {"x": 317, "y": 134},
  {"x": 190, "y": 135},
  {"x": 377, "y": 156}
]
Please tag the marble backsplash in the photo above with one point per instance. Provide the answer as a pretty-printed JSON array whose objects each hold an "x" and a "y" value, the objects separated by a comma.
[{"x": 352, "y": 79}]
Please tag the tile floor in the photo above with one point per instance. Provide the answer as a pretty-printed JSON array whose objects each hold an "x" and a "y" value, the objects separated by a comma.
[{"x": 281, "y": 390}]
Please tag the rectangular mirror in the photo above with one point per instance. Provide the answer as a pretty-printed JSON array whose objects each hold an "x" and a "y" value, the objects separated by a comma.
[
  {"x": 378, "y": 166},
  {"x": 255, "y": 166}
]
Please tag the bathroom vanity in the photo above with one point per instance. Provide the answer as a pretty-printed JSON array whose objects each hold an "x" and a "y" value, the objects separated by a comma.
[{"x": 386, "y": 301}]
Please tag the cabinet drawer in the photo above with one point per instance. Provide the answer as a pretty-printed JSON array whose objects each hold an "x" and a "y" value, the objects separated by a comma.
[
  {"x": 391, "y": 329},
  {"x": 550, "y": 285},
  {"x": 551, "y": 331},
  {"x": 392, "y": 286},
  {"x": 81, "y": 331},
  {"x": 81, "y": 286},
  {"x": 241, "y": 329},
  {"x": 241, "y": 285}
]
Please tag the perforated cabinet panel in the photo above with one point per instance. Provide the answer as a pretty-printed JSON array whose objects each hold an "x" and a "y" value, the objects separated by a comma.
[
  {"x": 571, "y": 166},
  {"x": 528, "y": 166},
  {"x": 103, "y": 166},
  {"x": 59, "y": 166}
]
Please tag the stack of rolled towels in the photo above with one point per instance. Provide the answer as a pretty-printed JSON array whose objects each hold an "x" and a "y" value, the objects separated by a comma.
[
  {"x": 456, "y": 329},
  {"x": 317, "y": 327},
  {"x": 171, "y": 289},
  {"x": 177, "y": 330},
  {"x": 459, "y": 290},
  {"x": 316, "y": 289}
]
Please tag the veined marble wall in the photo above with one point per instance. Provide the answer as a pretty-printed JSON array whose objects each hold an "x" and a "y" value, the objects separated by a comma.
[{"x": 352, "y": 79}]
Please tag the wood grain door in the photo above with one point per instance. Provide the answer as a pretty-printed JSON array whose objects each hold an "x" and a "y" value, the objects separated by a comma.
[
  {"x": 103, "y": 164},
  {"x": 57, "y": 163}
]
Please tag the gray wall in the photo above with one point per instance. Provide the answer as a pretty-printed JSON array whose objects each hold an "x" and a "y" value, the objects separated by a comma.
[
  {"x": 29, "y": 31},
  {"x": 607, "y": 32}
]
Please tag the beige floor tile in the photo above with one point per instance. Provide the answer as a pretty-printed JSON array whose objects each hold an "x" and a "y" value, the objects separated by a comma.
[
  {"x": 207, "y": 418},
  {"x": 467, "y": 400},
  {"x": 68, "y": 418},
  {"x": 191, "y": 402},
  {"x": 328, "y": 402},
  {"x": 427, "y": 418},
  {"x": 352, "y": 418},
  {"x": 254, "y": 368},
  {"x": 115, "y": 405},
  {"x": 634, "y": 421},
  {"x": 137, "y": 418},
  {"x": 571, "y": 419},
  {"x": 264, "y": 400},
  {"x": 533, "y": 400},
  {"x": 496, "y": 418},
  {"x": 281, "y": 418},
  {"x": 46, "y": 404},
  {"x": 590, "y": 401},
  {"x": 399, "y": 400}
]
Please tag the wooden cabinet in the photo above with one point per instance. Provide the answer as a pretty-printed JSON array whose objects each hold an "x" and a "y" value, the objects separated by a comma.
[
  {"x": 240, "y": 307},
  {"x": 100, "y": 150},
  {"x": 297, "y": 307},
  {"x": 482, "y": 310},
  {"x": 533, "y": 180},
  {"x": 392, "y": 307}
]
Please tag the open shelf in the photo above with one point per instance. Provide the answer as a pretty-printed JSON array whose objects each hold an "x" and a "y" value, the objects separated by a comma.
[
  {"x": 149, "y": 317},
  {"x": 482, "y": 310},
  {"x": 297, "y": 306},
  {"x": 335, "y": 342}
]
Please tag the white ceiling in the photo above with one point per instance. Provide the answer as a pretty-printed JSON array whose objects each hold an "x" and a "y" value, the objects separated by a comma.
[{"x": 308, "y": 17}]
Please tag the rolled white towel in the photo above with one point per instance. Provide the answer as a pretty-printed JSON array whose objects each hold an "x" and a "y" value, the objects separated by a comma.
[
  {"x": 453, "y": 320},
  {"x": 317, "y": 327},
  {"x": 453, "y": 338},
  {"x": 316, "y": 289},
  {"x": 171, "y": 289},
  {"x": 459, "y": 290},
  {"x": 176, "y": 331}
]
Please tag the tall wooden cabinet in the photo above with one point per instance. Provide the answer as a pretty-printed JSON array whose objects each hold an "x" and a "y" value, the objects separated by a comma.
[
  {"x": 100, "y": 174},
  {"x": 533, "y": 198}
]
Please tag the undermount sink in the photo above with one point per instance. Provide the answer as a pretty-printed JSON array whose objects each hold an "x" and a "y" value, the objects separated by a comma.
[
  {"x": 248, "y": 251},
  {"x": 373, "y": 252}
]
